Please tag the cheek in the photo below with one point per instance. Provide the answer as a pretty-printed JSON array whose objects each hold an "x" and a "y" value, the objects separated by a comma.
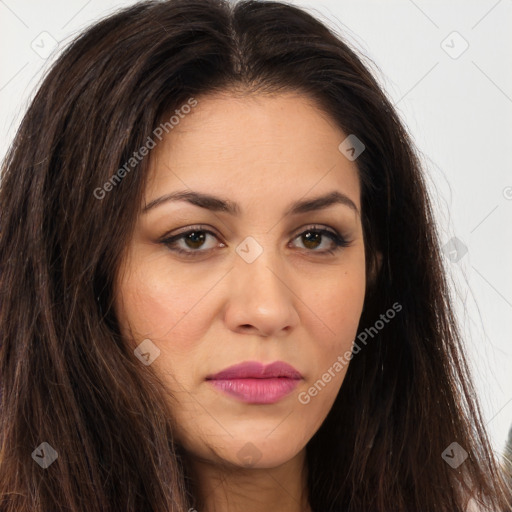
[
  {"x": 154, "y": 304},
  {"x": 335, "y": 311},
  {"x": 343, "y": 307},
  {"x": 338, "y": 301}
]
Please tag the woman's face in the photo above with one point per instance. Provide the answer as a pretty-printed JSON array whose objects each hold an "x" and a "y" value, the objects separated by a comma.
[{"x": 258, "y": 280}]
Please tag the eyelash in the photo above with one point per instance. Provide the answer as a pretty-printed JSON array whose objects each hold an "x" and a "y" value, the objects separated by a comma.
[{"x": 169, "y": 242}]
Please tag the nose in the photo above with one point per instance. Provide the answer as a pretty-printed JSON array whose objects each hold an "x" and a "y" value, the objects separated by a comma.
[{"x": 261, "y": 299}]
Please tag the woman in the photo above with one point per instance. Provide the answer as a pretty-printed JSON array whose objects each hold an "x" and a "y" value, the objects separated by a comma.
[{"x": 221, "y": 282}]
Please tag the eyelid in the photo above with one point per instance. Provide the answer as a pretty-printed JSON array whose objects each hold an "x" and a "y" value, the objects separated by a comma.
[
  {"x": 188, "y": 229},
  {"x": 208, "y": 229},
  {"x": 313, "y": 227}
]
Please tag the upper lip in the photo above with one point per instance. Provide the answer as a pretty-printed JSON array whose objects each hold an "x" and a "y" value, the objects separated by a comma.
[{"x": 257, "y": 370}]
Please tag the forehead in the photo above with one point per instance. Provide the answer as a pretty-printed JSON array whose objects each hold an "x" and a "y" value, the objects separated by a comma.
[{"x": 253, "y": 147}]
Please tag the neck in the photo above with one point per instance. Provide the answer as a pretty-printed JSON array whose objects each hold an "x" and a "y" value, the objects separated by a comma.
[{"x": 223, "y": 488}]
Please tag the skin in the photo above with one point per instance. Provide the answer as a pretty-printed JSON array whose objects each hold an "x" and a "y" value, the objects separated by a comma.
[{"x": 291, "y": 304}]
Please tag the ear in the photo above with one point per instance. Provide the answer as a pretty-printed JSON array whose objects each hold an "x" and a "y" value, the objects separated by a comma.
[
  {"x": 378, "y": 257},
  {"x": 374, "y": 270}
]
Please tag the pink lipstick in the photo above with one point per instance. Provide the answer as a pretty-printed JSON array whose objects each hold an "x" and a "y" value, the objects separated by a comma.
[{"x": 253, "y": 382}]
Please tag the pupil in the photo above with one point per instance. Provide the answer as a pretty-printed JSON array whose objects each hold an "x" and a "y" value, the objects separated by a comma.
[
  {"x": 196, "y": 237},
  {"x": 311, "y": 238}
]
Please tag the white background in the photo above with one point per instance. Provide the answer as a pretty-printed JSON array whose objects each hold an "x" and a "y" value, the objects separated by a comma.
[{"x": 458, "y": 110}]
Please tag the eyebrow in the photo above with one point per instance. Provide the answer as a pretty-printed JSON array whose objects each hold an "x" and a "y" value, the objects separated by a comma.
[{"x": 217, "y": 204}]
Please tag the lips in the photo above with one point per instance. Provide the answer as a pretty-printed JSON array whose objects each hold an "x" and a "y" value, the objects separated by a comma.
[
  {"x": 256, "y": 370},
  {"x": 255, "y": 383}
]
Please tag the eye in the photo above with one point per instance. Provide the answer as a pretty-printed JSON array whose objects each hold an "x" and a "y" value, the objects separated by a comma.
[
  {"x": 314, "y": 237},
  {"x": 192, "y": 240},
  {"x": 191, "y": 243}
]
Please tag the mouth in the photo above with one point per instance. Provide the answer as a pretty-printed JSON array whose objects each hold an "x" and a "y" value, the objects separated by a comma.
[{"x": 253, "y": 382}]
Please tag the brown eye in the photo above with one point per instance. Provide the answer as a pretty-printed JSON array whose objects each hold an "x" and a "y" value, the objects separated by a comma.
[
  {"x": 191, "y": 243},
  {"x": 313, "y": 238},
  {"x": 195, "y": 239}
]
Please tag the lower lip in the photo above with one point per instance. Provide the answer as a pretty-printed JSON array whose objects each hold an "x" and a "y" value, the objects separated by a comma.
[{"x": 257, "y": 391}]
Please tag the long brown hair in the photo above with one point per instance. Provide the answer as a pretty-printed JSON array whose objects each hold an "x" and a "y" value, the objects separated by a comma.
[{"x": 69, "y": 379}]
